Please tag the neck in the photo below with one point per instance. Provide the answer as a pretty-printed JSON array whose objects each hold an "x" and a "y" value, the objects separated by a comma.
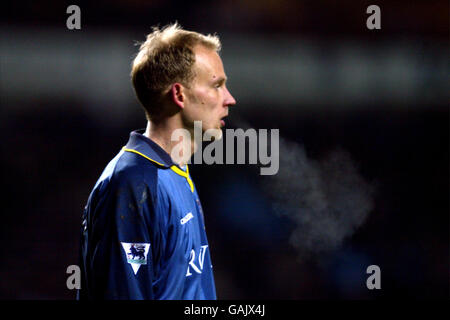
[{"x": 181, "y": 148}]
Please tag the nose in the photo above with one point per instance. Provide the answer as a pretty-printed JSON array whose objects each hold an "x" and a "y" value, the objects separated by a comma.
[{"x": 229, "y": 99}]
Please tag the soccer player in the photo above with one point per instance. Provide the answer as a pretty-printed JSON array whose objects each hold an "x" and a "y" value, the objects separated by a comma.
[{"x": 143, "y": 233}]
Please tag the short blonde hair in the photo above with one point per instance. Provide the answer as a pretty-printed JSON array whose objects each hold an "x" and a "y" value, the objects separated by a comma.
[{"x": 164, "y": 58}]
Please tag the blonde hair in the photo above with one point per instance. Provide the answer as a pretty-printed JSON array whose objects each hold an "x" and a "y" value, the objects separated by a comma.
[{"x": 164, "y": 58}]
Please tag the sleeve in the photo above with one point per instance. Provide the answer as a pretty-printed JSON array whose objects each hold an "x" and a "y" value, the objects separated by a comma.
[{"x": 123, "y": 234}]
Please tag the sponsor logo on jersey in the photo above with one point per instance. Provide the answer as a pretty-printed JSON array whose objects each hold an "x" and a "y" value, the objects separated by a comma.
[
  {"x": 136, "y": 254},
  {"x": 196, "y": 261}
]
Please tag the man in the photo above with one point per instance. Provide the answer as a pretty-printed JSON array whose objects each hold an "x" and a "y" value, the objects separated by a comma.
[{"x": 143, "y": 234}]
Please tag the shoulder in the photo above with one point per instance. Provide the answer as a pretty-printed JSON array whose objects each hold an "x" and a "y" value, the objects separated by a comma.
[{"x": 129, "y": 171}]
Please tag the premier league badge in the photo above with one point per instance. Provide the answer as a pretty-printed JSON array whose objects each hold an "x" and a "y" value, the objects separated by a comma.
[{"x": 136, "y": 254}]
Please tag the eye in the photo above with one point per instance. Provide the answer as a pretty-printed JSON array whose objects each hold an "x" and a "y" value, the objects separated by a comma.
[{"x": 219, "y": 84}]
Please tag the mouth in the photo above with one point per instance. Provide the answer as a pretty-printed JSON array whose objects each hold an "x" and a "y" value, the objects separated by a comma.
[{"x": 222, "y": 122}]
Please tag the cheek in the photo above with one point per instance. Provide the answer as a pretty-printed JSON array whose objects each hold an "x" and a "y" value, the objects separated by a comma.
[{"x": 208, "y": 98}]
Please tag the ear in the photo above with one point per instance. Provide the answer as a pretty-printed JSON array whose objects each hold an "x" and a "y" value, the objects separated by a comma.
[{"x": 178, "y": 95}]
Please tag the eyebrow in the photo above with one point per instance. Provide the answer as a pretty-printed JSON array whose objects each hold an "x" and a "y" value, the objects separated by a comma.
[{"x": 220, "y": 80}]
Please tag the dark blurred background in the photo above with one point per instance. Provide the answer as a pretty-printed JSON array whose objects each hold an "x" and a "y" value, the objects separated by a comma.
[{"x": 308, "y": 68}]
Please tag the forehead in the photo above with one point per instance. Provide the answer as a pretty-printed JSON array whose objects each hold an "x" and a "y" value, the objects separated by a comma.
[{"x": 208, "y": 64}]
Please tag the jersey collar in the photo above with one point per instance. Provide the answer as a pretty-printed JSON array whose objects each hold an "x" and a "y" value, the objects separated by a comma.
[
  {"x": 145, "y": 147},
  {"x": 140, "y": 144}
]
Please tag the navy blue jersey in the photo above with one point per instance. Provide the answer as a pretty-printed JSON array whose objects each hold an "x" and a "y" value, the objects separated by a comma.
[{"x": 143, "y": 234}]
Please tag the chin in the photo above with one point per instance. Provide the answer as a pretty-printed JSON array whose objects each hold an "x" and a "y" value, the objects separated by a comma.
[{"x": 213, "y": 134}]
